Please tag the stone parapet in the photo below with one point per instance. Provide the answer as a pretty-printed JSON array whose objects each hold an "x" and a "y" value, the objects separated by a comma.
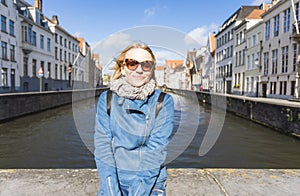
[{"x": 190, "y": 182}]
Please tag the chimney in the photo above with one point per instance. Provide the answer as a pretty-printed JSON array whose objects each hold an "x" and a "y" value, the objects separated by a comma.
[
  {"x": 38, "y": 4},
  {"x": 55, "y": 19}
]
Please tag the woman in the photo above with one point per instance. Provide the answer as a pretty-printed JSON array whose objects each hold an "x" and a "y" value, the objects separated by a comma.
[{"x": 130, "y": 138}]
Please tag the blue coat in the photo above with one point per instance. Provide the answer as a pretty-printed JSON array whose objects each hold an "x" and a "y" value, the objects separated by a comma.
[{"x": 130, "y": 144}]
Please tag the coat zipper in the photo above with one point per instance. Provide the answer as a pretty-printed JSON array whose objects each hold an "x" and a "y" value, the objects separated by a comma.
[
  {"x": 137, "y": 190},
  {"x": 144, "y": 140},
  {"x": 110, "y": 187}
]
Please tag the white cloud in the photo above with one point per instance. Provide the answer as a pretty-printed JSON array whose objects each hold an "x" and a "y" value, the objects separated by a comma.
[
  {"x": 150, "y": 11},
  {"x": 110, "y": 48},
  {"x": 200, "y": 35},
  {"x": 163, "y": 55},
  {"x": 77, "y": 34},
  {"x": 258, "y": 2}
]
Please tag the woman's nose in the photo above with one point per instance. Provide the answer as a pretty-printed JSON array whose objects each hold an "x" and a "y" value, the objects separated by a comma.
[{"x": 139, "y": 68}]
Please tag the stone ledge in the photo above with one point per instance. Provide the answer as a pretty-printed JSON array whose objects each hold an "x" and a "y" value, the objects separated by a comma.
[{"x": 212, "y": 182}]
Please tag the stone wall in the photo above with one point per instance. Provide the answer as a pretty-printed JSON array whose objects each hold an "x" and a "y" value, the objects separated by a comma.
[
  {"x": 18, "y": 104},
  {"x": 278, "y": 114}
]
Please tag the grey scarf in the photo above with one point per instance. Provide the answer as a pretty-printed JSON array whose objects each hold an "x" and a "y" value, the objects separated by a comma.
[{"x": 124, "y": 89}]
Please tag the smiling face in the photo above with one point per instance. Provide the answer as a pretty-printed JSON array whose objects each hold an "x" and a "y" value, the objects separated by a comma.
[{"x": 137, "y": 77}]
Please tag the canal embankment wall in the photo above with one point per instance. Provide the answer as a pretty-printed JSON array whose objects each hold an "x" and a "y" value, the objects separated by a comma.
[
  {"x": 15, "y": 105},
  {"x": 280, "y": 115}
]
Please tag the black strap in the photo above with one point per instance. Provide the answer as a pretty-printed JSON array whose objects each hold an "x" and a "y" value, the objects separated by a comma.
[
  {"x": 159, "y": 103},
  {"x": 108, "y": 101}
]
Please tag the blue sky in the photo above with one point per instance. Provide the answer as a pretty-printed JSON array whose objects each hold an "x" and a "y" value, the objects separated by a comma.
[
  {"x": 97, "y": 19},
  {"x": 108, "y": 25}
]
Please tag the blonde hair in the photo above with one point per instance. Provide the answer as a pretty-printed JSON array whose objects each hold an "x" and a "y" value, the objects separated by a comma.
[{"x": 119, "y": 62}]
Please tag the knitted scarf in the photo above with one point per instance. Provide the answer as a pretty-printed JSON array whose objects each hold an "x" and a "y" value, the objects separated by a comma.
[{"x": 124, "y": 89}]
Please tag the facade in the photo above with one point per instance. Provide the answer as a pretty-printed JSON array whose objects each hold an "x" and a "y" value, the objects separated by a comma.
[
  {"x": 242, "y": 58},
  {"x": 66, "y": 53},
  {"x": 38, "y": 54},
  {"x": 9, "y": 53},
  {"x": 203, "y": 72},
  {"x": 254, "y": 59},
  {"x": 175, "y": 75},
  {"x": 35, "y": 44},
  {"x": 224, "y": 58},
  {"x": 161, "y": 75},
  {"x": 279, "y": 51}
]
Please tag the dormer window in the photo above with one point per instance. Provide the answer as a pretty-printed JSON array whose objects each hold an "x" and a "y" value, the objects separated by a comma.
[
  {"x": 3, "y": 2},
  {"x": 24, "y": 11}
]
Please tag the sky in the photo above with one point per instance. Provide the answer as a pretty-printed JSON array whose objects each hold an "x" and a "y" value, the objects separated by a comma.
[{"x": 115, "y": 22}]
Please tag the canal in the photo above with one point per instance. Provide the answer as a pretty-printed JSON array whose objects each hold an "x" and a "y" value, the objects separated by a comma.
[{"x": 203, "y": 137}]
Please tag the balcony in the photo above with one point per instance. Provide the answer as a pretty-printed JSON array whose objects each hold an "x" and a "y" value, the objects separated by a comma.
[{"x": 27, "y": 47}]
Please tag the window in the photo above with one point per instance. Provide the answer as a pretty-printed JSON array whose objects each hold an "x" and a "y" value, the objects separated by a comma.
[
  {"x": 285, "y": 57},
  {"x": 253, "y": 40},
  {"x": 25, "y": 66},
  {"x": 34, "y": 38},
  {"x": 12, "y": 53},
  {"x": 42, "y": 66},
  {"x": 65, "y": 72},
  {"x": 11, "y": 27},
  {"x": 3, "y": 2},
  {"x": 267, "y": 35},
  {"x": 293, "y": 84},
  {"x": 4, "y": 77},
  {"x": 60, "y": 72},
  {"x": 266, "y": 63},
  {"x": 252, "y": 61},
  {"x": 48, "y": 44},
  {"x": 24, "y": 33},
  {"x": 273, "y": 88},
  {"x": 286, "y": 22},
  {"x": 56, "y": 70},
  {"x": 274, "y": 61},
  {"x": 33, "y": 67},
  {"x": 56, "y": 53},
  {"x": 276, "y": 26},
  {"x": 60, "y": 54},
  {"x": 29, "y": 39},
  {"x": 42, "y": 41},
  {"x": 3, "y": 23},
  {"x": 4, "y": 50},
  {"x": 56, "y": 38},
  {"x": 49, "y": 70},
  {"x": 297, "y": 11},
  {"x": 295, "y": 55}
]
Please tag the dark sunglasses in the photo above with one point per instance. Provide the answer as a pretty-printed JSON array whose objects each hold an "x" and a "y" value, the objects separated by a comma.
[{"x": 133, "y": 64}]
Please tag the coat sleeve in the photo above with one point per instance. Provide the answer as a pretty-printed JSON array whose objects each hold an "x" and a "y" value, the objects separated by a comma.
[
  {"x": 105, "y": 162},
  {"x": 154, "y": 152}
]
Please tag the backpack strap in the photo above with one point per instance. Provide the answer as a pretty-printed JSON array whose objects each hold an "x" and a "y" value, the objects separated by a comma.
[
  {"x": 108, "y": 101},
  {"x": 159, "y": 103}
]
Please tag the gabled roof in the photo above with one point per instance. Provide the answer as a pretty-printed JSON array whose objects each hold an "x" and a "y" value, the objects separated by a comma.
[
  {"x": 255, "y": 14},
  {"x": 173, "y": 64},
  {"x": 240, "y": 14}
]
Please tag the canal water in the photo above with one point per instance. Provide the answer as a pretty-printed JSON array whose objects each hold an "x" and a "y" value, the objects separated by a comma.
[{"x": 203, "y": 137}]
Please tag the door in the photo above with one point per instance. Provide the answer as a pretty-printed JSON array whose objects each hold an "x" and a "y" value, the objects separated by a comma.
[{"x": 264, "y": 90}]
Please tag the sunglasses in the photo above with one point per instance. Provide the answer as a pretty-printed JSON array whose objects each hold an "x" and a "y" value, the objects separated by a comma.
[{"x": 133, "y": 64}]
